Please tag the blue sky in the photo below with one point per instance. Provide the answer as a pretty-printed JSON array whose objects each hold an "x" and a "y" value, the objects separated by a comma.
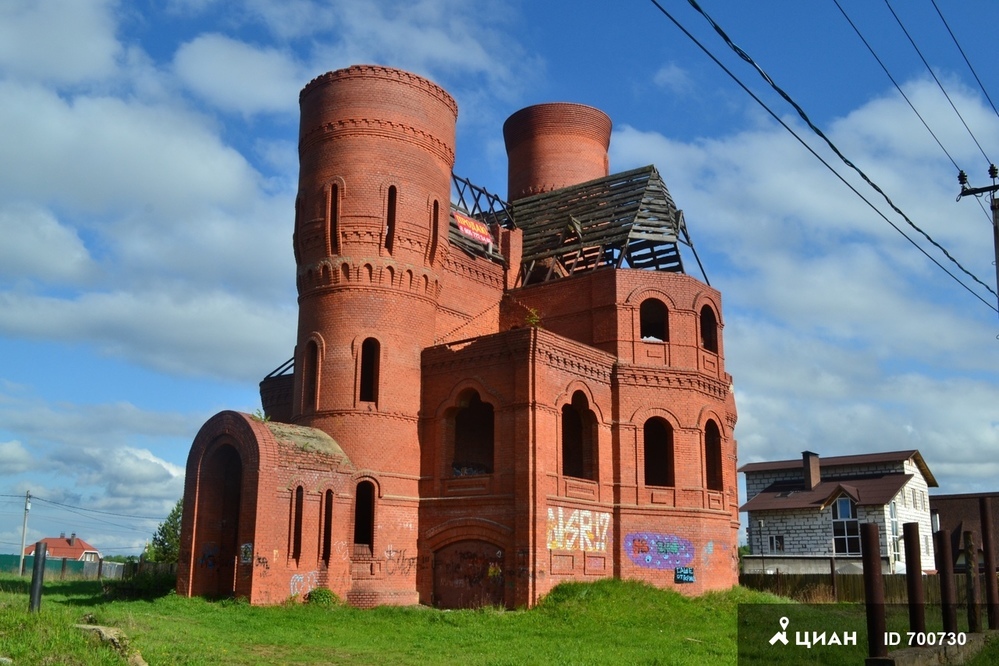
[{"x": 148, "y": 174}]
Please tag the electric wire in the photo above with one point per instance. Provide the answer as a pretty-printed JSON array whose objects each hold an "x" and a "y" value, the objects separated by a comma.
[
  {"x": 935, "y": 78},
  {"x": 891, "y": 78},
  {"x": 742, "y": 54},
  {"x": 894, "y": 82},
  {"x": 968, "y": 62}
]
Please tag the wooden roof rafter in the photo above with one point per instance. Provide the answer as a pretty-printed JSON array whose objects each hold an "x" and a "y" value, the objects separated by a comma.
[{"x": 623, "y": 220}]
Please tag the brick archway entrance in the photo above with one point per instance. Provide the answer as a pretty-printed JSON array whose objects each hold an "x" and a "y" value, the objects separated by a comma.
[
  {"x": 468, "y": 574},
  {"x": 216, "y": 532}
]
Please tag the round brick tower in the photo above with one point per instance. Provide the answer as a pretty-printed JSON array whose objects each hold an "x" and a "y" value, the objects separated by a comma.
[
  {"x": 555, "y": 145},
  {"x": 376, "y": 149}
]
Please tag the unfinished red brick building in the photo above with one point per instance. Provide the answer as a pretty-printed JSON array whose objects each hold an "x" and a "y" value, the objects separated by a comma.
[{"x": 486, "y": 397}]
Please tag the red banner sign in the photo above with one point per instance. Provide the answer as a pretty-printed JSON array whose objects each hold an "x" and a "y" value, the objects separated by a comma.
[{"x": 472, "y": 228}]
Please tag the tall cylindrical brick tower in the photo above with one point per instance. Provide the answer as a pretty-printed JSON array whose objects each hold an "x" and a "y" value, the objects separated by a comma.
[
  {"x": 555, "y": 145},
  {"x": 376, "y": 149}
]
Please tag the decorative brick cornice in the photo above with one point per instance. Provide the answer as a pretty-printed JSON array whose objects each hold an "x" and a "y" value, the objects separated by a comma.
[
  {"x": 385, "y": 129},
  {"x": 384, "y": 73},
  {"x": 671, "y": 378}
]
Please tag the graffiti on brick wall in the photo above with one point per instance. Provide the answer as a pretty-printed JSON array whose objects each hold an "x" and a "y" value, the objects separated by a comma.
[
  {"x": 396, "y": 562},
  {"x": 581, "y": 530},
  {"x": 302, "y": 584},
  {"x": 658, "y": 551},
  {"x": 246, "y": 553},
  {"x": 209, "y": 555},
  {"x": 683, "y": 575},
  {"x": 263, "y": 565}
]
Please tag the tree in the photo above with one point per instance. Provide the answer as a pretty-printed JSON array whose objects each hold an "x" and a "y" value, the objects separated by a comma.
[{"x": 166, "y": 540}]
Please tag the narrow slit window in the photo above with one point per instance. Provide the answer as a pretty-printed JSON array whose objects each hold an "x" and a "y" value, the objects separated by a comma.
[
  {"x": 326, "y": 547},
  {"x": 713, "y": 456},
  {"x": 298, "y": 510},
  {"x": 364, "y": 516},
  {"x": 390, "y": 219},
  {"x": 369, "y": 370},
  {"x": 434, "y": 230},
  {"x": 334, "y": 219},
  {"x": 310, "y": 377}
]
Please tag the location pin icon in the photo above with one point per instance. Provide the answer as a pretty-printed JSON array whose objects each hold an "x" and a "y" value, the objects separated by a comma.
[{"x": 784, "y": 622}]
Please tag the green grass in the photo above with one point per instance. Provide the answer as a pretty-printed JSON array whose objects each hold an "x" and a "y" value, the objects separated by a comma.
[{"x": 607, "y": 622}]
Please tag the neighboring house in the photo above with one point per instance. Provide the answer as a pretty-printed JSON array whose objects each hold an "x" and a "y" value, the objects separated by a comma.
[
  {"x": 73, "y": 548},
  {"x": 805, "y": 515},
  {"x": 956, "y": 514}
]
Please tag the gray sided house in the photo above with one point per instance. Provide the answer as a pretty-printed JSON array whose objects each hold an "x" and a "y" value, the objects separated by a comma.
[{"x": 805, "y": 515}]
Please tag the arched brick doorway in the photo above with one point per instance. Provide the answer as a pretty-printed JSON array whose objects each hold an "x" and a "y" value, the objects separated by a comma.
[
  {"x": 216, "y": 531},
  {"x": 468, "y": 574}
]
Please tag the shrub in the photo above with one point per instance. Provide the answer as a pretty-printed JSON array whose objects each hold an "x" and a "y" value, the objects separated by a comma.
[{"x": 322, "y": 596}]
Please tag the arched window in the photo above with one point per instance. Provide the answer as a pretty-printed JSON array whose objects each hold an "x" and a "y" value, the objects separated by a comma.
[
  {"x": 713, "y": 456},
  {"x": 364, "y": 516},
  {"x": 434, "y": 230},
  {"x": 334, "y": 218},
  {"x": 709, "y": 329},
  {"x": 659, "y": 468},
  {"x": 654, "y": 320},
  {"x": 579, "y": 440},
  {"x": 310, "y": 377},
  {"x": 473, "y": 437},
  {"x": 297, "y": 511},
  {"x": 326, "y": 536},
  {"x": 390, "y": 219},
  {"x": 369, "y": 371}
]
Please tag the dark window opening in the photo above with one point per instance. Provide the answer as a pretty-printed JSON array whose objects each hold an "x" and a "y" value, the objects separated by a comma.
[
  {"x": 390, "y": 219},
  {"x": 579, "y": 457},
  {"x": 713, "y": 456},
  {"x": 659, "y": 453},
  {"x": 310, "y": 377},
  {"x": 369, "y": 370},
  {"x": 334, "y": 221},
  {"x": 709, "y": 329},
  {"x": 434, "y": 230},
  {"x": 326, "y": 548},
  {"x": 473, "y": 437},
  {"x": 298, "y": 509},
  {"x": 364, "y": 516},
  {"x": 654, "y": 320}
]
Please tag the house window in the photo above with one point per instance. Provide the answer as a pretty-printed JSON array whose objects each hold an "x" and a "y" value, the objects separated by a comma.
[
  {"x": 713, "y": 456},
  {"x": 846, "y": 528},
  {"x": 390, "y": 219},
  {"x": 369, "y": 370},
  {"x": 654, "y": 320},
  {"x": 473, "y": 437},
  {"x": 298, "y": 508},
  {"x": 326, "y": 545},
  {"x": 364, "y": 518},
  {"x": 777, "y": 543},
  {"x": 893, "y": 515},
  {"x": 914, "y": 502},
  {"x": 579, "y": 446},
  {"x": 658, "y": 453},
  {"x": 709, "y": 329}
]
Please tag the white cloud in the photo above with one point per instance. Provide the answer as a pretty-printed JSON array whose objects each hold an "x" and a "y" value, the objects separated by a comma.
[
  {"x": 36, "y": 245},
  {"x": 14, "y": 458},
  {"x": 63, "y": 41},
  {"x": 239, "y": 77},
  {"x": 672, "y": 77}
]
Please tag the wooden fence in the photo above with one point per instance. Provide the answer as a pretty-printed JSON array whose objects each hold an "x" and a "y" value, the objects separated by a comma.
[{"x": 818, "y": 588}]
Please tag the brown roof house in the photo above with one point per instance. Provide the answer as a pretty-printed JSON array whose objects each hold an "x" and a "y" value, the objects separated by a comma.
[
  {"x": 956, "y": 514},
  {"x": 805, "y": 515},
  {"x": 73, "y": 548}
]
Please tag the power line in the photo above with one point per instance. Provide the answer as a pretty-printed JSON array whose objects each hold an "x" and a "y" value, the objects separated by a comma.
[
  {"x": 939, "y": 84},
  {"x": 745, "y": 56},
  {"x": 958, "y": 45},
  {"x": 106, "y": 513}
]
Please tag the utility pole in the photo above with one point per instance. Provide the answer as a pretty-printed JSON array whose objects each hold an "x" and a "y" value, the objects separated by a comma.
[
  {"x": 962, "y": 179},
  {"x": 24, "y": 529}
]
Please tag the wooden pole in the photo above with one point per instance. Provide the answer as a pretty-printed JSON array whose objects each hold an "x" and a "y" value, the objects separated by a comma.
[
  {"x": 974, "y": 589},
  {"x": 874, "y": 590}
]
